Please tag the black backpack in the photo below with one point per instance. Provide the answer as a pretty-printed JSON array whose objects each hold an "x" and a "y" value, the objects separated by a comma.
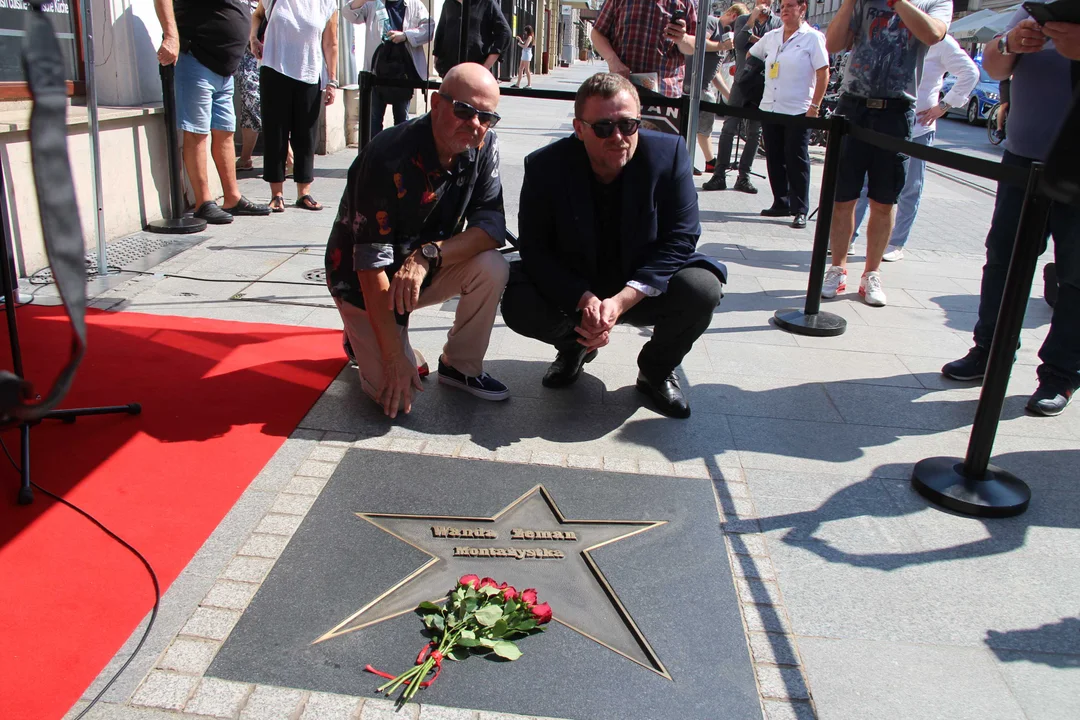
[
  {"x": 392, "y": 61},
  {"x": 751, "y": 81}
]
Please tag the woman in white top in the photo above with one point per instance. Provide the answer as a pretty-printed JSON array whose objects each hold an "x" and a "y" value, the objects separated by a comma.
[
  {"x": 299, "y": 60},
  {"x": 525, "y": 42},
  {"x": 796, "y": 75}
]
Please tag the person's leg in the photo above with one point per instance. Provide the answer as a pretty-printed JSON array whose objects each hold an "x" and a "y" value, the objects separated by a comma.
[
  {"x": 861, "y": 206},
  {"x": 907, "y": 207},
  {"x": 222, "y": 144},
  {"x": 194, "y": 152},
  {"x": 777, "y": 165},
  {"x": 679, "y": 317},
  {"x": 307, "y": 105},
  {"x": 706, "y": 148},
  {"x": 478, "y": 284},
  {"x": 878, "y": 230},
  {"x": 528, "y": 71},
  {"x": 365, "y": 347},
  {"x": 194, "y": 97},
  {"x": 527, "y": 312},
  {"x": 843, "y": 225},
  {"x": 750, "y": 147},
  {"x": 401, "y": 112},
  {"x": 249, "y": 138},
  {"x": 378, "y": 111},
  {"x": 723, "y": 150},
  {"x": 275, "y": 94},
  {"x": 999, "y": 246},
  {"x": 1060, "y": 351},
  {"x": 797, "y": 159}
]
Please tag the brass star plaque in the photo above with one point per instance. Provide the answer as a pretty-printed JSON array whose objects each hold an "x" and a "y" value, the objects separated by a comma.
[{"x": 526, "y": 544}]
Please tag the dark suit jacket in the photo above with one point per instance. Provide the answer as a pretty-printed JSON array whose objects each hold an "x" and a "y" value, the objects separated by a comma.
[{"x": 660, "y": 227}]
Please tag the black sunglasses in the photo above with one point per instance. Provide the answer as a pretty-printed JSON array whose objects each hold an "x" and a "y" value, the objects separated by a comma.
[
  {"x": 465, "y": 111},
  {"x": 604, "y": 129}
]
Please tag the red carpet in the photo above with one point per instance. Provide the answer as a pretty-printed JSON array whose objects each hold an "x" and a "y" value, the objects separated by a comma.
[{"x": 219, "y": 398}]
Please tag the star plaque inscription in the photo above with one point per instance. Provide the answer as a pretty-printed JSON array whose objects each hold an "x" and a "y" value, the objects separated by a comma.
[{"x": 526, "y": 544}]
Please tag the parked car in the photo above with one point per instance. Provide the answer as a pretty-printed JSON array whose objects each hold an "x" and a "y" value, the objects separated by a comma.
[{"x": 983, "y": 97}]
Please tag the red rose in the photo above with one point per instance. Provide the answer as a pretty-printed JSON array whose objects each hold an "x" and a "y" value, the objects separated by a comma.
[
  {"x": 509, "y": 591},
  {"x": 541, "y": 612},
  {"x": 472, "y": 581},
  {"x": 488, "y": 582},
  {"x": 528, "y": 597}
]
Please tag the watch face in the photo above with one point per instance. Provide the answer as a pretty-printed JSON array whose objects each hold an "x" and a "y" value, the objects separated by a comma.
[{"x": 429, "y": 251}]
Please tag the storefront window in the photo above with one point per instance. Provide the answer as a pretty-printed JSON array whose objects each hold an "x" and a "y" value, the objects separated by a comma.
[{"x": 13, "y": 16}]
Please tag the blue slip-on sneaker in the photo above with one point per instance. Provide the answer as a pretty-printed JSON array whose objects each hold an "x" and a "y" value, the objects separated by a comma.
[{"x": 482, "y": 386}]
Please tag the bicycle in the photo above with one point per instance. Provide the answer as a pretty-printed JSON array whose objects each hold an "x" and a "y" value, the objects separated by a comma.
[{"x": 992, "y": 132}]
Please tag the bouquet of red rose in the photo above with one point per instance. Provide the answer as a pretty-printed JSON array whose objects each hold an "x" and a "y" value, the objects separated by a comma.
[{"x": 479, "y": 616}]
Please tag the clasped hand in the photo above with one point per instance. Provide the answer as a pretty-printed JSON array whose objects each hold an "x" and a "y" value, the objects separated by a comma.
[{"x": 598, "y": 317}]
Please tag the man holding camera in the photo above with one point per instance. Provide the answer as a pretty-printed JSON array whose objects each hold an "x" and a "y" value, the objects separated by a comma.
[
  {"x": 888, "y": 40},
  {"x": 748, "y": 30},
  {"x": 1044, "y": 81},
  {"x": 718, "y": 40}
]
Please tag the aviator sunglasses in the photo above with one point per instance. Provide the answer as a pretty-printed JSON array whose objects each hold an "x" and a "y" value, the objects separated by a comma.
[
  {"x": 465, "y": 111},
  {"x": 604, "y": 129}
]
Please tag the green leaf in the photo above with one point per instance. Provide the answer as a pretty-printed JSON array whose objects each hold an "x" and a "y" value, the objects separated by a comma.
[
  {"x": 500, "y": 628},
  {"x": 488, "y": 615},
  {"x": 490, "y": 591},
  {"x": 525, "y": 625},
  {"x": 458, "y": 654},
  {"x": 506, "y": 649},
  {"x": 471, "y": 604},
  {"x": 437, "y": 622},
  {"x": 468, "y": 634},
  {"x": 488, "y": 642},
  {"x": 429, "y": 607},
  {"x": 468, "y": 642}
]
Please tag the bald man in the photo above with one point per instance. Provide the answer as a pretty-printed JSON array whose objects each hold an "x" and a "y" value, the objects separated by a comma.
[{"x": 420, "y": 222}]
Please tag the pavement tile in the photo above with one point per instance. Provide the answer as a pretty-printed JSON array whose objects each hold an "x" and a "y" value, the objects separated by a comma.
[
  {"x": 279, "y": 524},
  {"x": 326, "y": 706},
  {"x": 211, "y": 623},
  {"x": 788, "y": 710},
  {"x": 231, "y": 595},
  {"x": 164, "y": 690},
  {"x": 247, "y": 569},
  {"x": 378, "y": 709},
  {"x": 288, "y": 504},
  {"x": 773, "y": 649},
  {"x": 189, "y": 656},
  {"x": 218, "y": 698},
  {"x": 272, "y": 703},
  {"x": 785, "y": 683},
  {"x": 1046, "y": 686},
  {"x": 882, "y": 680},
  {"x": 434, "y": 712},
  {"x": 266, "y": 546}
]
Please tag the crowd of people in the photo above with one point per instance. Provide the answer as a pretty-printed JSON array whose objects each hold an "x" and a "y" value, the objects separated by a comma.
[{"x": 608, "y": 217}]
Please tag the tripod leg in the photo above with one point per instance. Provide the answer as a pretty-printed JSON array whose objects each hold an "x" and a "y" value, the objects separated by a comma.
[
  {"x": 26, "y": 494},
  {"x": 69, "y": 416}
]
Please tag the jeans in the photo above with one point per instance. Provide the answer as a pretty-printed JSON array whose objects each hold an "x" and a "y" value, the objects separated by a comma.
[
  {"x": 204, "y": 99},
  {"x": 907, "y": 206},
  {"x": 727, "y": 137},
  {"x": 1060, "y": 352},
  {"x": 678, "y": 317},
  {"x": 378, "y": 111},
  {"x": 788, "y": 156}
]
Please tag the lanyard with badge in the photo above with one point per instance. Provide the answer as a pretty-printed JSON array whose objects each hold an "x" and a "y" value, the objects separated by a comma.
[{"x": 774, "y": 66}]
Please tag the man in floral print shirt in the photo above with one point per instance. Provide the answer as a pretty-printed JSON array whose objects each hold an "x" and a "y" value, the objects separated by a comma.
[{"x": 420, "y": 222}]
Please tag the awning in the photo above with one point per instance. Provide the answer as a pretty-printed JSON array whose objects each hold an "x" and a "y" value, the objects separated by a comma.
[
  {"x": 966, "y": 27},
  {"x": 995, "y": 26}
]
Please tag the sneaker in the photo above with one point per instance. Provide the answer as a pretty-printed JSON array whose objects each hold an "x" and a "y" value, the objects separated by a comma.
[
  {"x": 970, "y": 367},
  {"x": 716, "y": 182},
  {"x": 835, "y": 282},
  {"x": 893, "y": 253},
  {"x": 212, "y": 213},
  {"x": 1050, "y": 399},
  {"x": 870, "y": 289},
  {"x": 710, "y": 166},
  {"x": 743, "y": 184},
  {"x": 482, "y": 386},
  {"x": 850, "y": 250},
  {"x": 697, "y": 173}
]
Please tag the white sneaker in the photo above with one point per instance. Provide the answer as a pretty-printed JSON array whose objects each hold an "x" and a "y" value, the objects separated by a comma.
[
  {"x": 835, "y": 282},
  {"x": 871, "y": 290},
  {"x": 893, "y": 253},
  {"x": 850, "y": 250}
]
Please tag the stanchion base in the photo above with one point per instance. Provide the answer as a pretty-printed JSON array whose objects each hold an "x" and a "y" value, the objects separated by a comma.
[
  {"x": 177, "y": 226},
  {"x": 997, "y": 494},
  {"x": 822, "y": 324}
]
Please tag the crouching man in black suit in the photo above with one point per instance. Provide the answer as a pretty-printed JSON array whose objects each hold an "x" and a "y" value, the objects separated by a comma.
[{"x": 608, "y": 228}]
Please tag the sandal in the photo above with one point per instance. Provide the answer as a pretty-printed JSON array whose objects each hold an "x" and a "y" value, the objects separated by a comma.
[
  {"x": 277, "y": 203},
  {"x": 241, "y": 165},
  {"x": 307, "y": 203}
]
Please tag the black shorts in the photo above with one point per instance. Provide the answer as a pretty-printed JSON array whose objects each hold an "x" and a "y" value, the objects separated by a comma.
[{"x": 882, "y": 170}]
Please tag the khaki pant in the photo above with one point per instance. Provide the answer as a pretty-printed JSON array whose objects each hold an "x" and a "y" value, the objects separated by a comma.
[{"x": 478, "y": 281}]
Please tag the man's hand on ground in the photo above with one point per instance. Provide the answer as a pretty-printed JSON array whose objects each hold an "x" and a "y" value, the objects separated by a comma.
[
  {"x": 1026, "y": 37},
  {"x": 399, "y": 379},
  {"x": 405, "y": 287},
  {"x": 1066, "y": 37},
  {"x": 169, "y": 50}
]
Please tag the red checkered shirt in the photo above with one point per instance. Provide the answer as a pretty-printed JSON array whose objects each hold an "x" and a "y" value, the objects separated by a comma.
[{"x": 635, "y": 29}]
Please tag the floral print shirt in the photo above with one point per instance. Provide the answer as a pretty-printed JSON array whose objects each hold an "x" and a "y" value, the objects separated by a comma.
[{"x": 398, "y": 197}]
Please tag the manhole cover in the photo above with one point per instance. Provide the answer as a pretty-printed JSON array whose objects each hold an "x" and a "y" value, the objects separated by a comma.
[
  {"x": 120, "y": 253},
  {"x": 318, "y": 275}
]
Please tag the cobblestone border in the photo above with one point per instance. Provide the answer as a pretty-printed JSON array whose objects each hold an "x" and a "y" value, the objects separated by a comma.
[{"x": 177, "y": 683}]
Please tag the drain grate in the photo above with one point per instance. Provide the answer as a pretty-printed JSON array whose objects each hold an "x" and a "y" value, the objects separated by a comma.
[
  {"x": 318, "y": 275},
  {"x": 122, "y": 253}
]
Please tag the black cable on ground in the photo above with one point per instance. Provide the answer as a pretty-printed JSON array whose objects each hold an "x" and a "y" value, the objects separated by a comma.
[{"x": 136, "y": 553}]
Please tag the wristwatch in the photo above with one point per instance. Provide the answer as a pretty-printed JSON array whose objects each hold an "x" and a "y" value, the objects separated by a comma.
[
  {"x": 432, "y": 253},
  {"x": 1003, "y": 44}
]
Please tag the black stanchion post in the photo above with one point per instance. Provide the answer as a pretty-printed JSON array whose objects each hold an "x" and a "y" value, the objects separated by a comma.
[
  {"x": 176, "y": 223},
  {"x": 973, "y": 486},
  {"x": 366, "y": 88},
  {"x": 810, "y": 320}
]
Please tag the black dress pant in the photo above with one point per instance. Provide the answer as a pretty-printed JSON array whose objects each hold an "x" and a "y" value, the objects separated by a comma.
[
  {"x": 290, "y": 115},
  {"x": 678, "y": 317},
  {"x": 787, "y": 154}
]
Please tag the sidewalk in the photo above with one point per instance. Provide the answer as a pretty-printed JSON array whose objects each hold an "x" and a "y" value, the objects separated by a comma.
[{"x": 859, "y": 600}]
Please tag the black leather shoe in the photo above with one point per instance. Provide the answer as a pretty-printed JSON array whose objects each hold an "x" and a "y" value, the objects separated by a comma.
[
  {"x": 799, "y": 222},
  {"x": 716, "y": 182},
  {"x": 567, "y": 368},
  {"x": 777, "y": 211},
  {"x": 666, "y": 396}
]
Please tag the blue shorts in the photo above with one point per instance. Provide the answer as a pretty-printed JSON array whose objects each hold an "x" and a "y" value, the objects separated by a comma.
[
  {"x": 882, "y": 171},
  {"x": 204, "y": 99}
]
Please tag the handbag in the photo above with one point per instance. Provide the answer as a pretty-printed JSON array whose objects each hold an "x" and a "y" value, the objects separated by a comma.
[{"x": 261, "y": 32}]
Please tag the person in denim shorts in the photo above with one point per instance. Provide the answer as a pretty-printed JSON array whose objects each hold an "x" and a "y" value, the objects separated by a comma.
[
  {"x": 888, "y": 40},
  {"x": 212, "y": 39}
]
